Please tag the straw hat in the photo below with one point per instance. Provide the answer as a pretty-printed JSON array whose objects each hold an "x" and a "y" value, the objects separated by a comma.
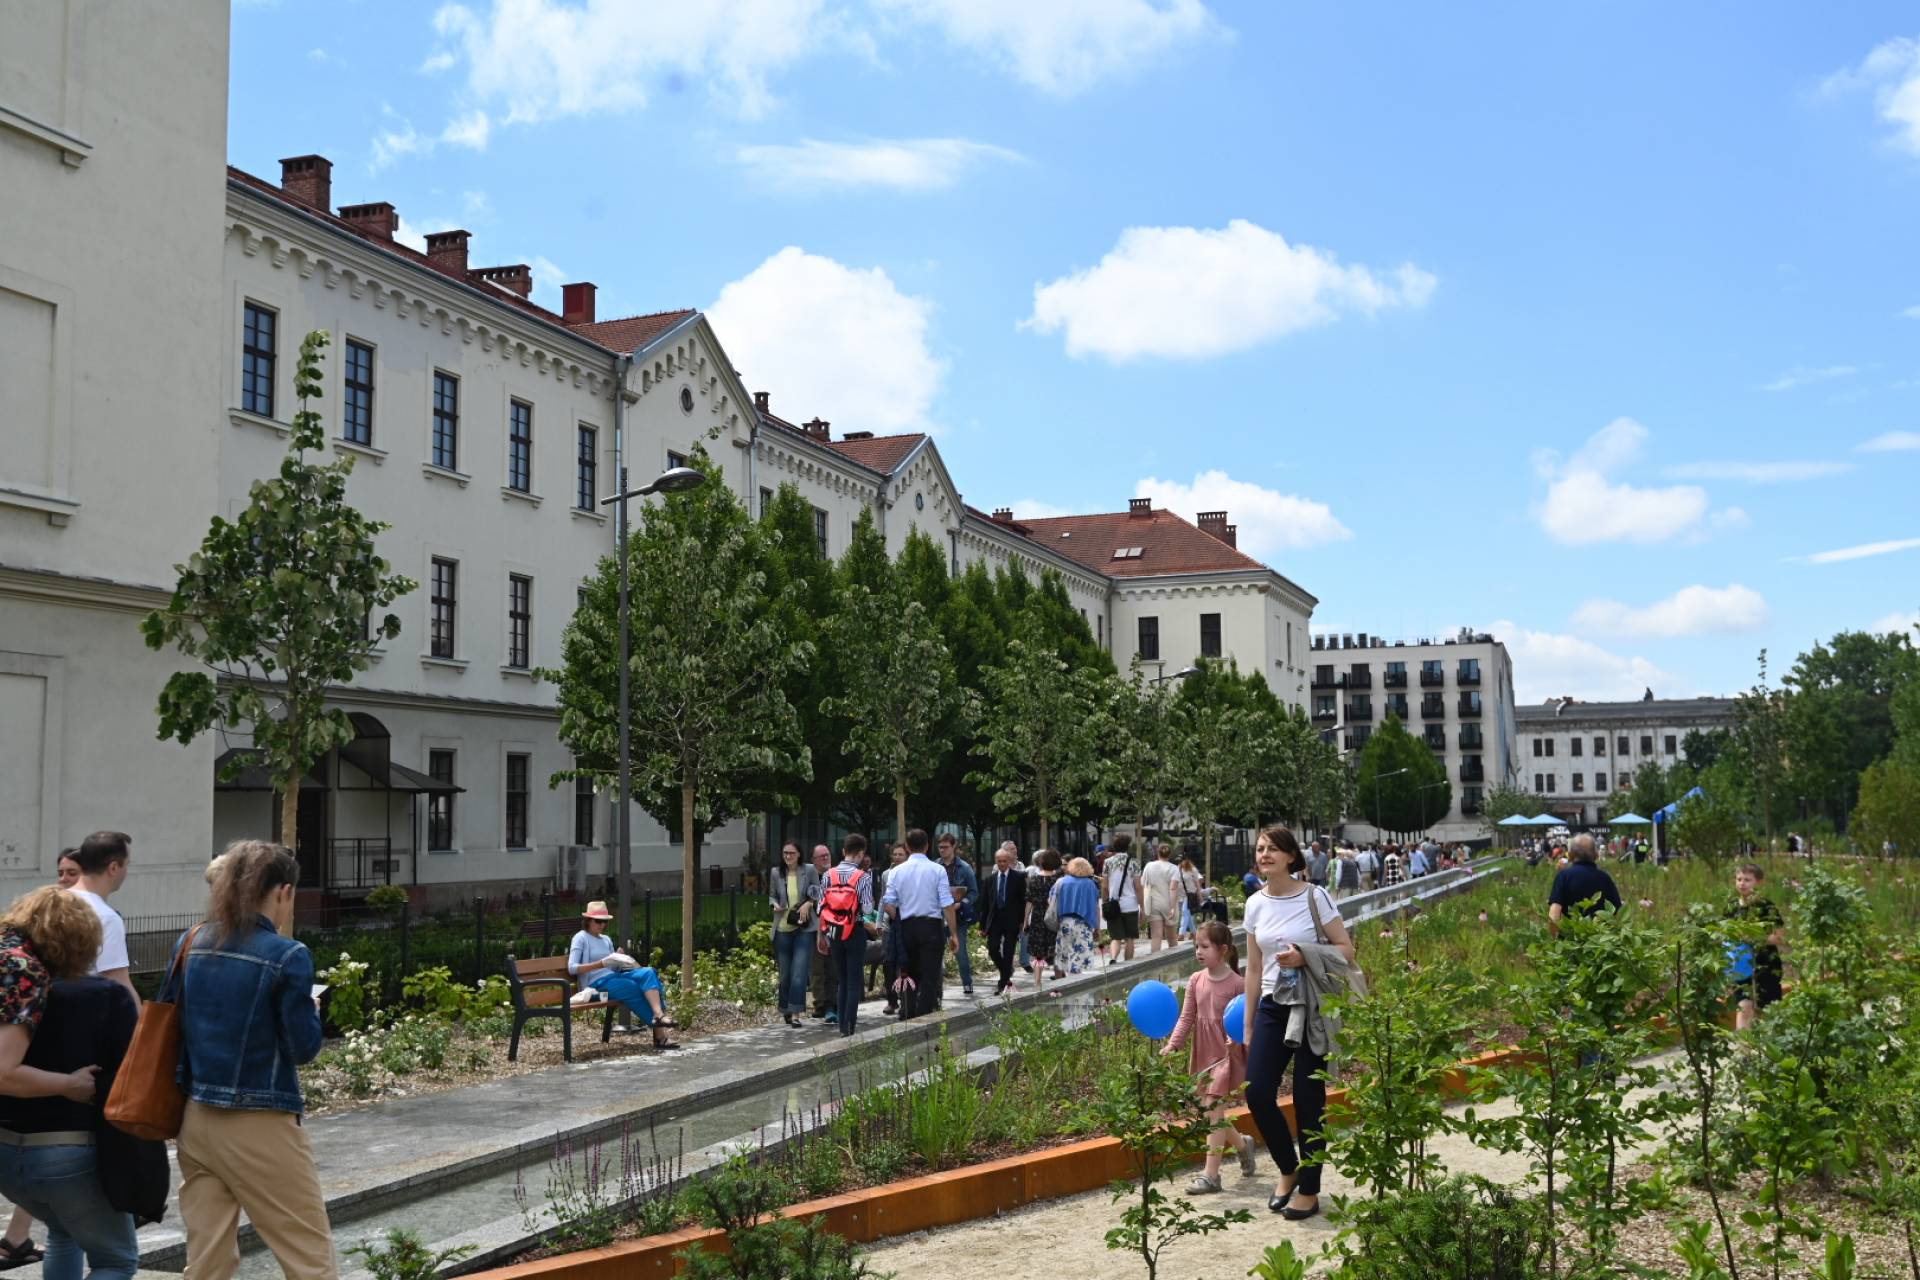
[{"x": 597, "y": 910}]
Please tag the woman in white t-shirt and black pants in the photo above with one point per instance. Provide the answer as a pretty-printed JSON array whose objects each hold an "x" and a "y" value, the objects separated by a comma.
[{"x": 1278, "y": 918}]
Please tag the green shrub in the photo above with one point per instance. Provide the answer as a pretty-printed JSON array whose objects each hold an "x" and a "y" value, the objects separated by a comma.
[
  {"x": 1457, "y": 1229},
  {"x": 739, "y": 1199},
  {"x": 346, "y": 992},
  {"x": 405, "y": 1256},
  {"x": 387, "y": 899}
]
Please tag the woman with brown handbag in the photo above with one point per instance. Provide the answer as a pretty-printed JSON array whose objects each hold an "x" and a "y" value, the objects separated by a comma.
[{"x": 247, "y": 1019}]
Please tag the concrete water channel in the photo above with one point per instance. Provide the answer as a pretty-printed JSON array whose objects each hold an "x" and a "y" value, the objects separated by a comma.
[{"x": 448, "y": 1165}]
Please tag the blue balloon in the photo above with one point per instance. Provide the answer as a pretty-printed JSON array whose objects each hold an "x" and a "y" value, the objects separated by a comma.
[
  {"x": 1235, "y": 1019},
  {"x": 1153, "y": 1008},
  {"x": 1739, "y": 961}
]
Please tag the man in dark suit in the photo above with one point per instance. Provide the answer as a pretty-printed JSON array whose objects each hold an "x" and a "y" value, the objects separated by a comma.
[{"x": 1003, "y": 912}]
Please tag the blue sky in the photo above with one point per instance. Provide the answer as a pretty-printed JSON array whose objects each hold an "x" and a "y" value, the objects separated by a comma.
[{"x": 1592, "y": 325}]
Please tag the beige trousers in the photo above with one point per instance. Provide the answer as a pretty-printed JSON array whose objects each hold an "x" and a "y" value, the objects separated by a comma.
[{"x": 260, "y": 1162}]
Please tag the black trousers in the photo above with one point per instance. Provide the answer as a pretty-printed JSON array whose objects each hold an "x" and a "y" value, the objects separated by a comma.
[
  {"x": 846, "y": 957},
  {"x": 1267, "y": 1063},
  {"x": 1003, "y": 945},
  {"x": 925, "y": 938}
]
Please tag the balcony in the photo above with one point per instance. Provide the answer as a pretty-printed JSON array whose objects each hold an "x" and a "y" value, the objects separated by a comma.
[
  {"x": 1471, "y": 739},
  {"x": 1358, "y": 739},
  {"x": 1472, "y": 773},
  {"x": 1467, "y": 677},
  {"x": 1433, "y": 707},
  {"x": 1394, "y": 680},
  {"x": 1469, "y": 707},
  {"x": 1438, "y": 741},
  {"x": 1360, "y": 680},
  {"x": 1326, "y": 715},
  {"x": 1469, "y": 806},
  {"x": 1397, "y": 707},
  {"x": 1323, "y": 678},
  {"x": 1359, "y": 711},
  {"x": 1432, "y": 679}
]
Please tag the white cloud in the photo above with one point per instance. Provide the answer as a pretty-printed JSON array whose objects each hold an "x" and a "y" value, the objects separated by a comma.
[
  {"x": 1891, "y": 442},
  {"x": 469, "y": 130},
  {"x": 543, "y": 59},
  {"x": 1690, "y": 611},
  {"x": 395, "y": 142},
  {"x": 906, "y": 164},
  {"x": 1758, "y": 472},
  {"x": 1269, "y": 521},
  {"x": 1802, "y": 376},
  {"x": 1584, "y": 504},
  {"x": 437, "y": 63},
  {"x": 1190, "y": 293},
  {"x": 1033, "y": 509},
  {"x": 1549, "y": 664},
  {"x": 1911, "y": 313},
  {"x": 1903, "y": 623},
  {"x": 1892, "y": 73},
  {"x": 1062, "y": 46},
  {"x": 1860, "y": 552},
  {"x": 838, "y": 341},
  {"x": 399, "y": 139}
]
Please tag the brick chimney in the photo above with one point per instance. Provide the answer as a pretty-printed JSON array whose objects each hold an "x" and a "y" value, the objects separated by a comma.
[
  {"x": 517, "y": 278},
  {"x": 1003, "y": 515},
  {"x": 447, "y": 250},
  {"x": 817, "y": 430},
  {"x": 1140, "y": 508},
  {"x": 377, "y": 219},
  {"x": 761, "y": 399},
  {"x": 308, "y": 179},
  {"x": 858, "y": 435},
  {"x": 1215, "y": 523},
  {"x": 576, "y": 303}
]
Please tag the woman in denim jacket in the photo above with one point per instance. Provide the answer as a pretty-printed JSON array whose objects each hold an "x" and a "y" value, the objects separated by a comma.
[{"x": 247, "y": 1019}]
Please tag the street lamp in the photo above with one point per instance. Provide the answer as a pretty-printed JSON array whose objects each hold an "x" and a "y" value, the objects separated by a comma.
[
  {"x": 1181, "y": 674},
  {"x": 1377, "y": 831},
  {"x": 673, "y": 480}
]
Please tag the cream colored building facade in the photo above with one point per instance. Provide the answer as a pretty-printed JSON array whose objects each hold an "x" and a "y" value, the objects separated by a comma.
[{"x": 112, "y": 147}]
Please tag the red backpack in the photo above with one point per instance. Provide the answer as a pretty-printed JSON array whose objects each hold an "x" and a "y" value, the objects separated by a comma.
[{"x": 840, "y": 903}]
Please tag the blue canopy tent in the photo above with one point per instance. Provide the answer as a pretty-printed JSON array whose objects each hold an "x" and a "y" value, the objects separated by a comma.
[
  {"x": 1546, "y": 820},
  {"x": 1629, "y": 820},
  {"x": 1662, "y": 816},
  {"x": 1515, "y": 821}
]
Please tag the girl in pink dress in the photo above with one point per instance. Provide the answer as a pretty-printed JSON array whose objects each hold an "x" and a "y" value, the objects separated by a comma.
[{"x": 1219, "y": 1064}]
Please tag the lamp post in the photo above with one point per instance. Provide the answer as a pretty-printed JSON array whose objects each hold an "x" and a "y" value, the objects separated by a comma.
[
  {"x": 1423, "y": 802},
  {"x": 1394, "y": 773},
  {"x": 674, "y": 480}
]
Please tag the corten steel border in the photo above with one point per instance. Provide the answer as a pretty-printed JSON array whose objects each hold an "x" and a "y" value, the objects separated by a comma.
[{"x": 917, "y": 1204}]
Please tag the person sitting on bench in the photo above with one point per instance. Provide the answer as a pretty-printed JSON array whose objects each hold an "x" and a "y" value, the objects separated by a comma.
[{"x": 598, "y": 966}]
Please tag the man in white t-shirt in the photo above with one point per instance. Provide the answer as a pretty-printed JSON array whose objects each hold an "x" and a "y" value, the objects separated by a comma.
[{"x": 103, "y": 858}]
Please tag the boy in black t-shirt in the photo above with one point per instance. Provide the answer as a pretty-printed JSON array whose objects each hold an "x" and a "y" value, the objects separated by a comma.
[{"x": 1762, "y": 985}]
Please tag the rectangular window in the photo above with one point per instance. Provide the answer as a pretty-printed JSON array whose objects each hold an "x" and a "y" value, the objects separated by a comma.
[
  {"x": 1599, "y": 745},
  {"x": 1397, "y": 706},
  {"x": 583, "y": 810},
  {"x": 1553, "y": 782},
  {"x": 1646, "y": 744},
  {"x": 1209, "y": 635},
  {"x": 1536, "y": 747},
  {"x": 1149, "y": 647},
  {"x": 519, "y": 621},
  {"x": 1549, "y": 746},
  {"x": 675, "y": 460},
  {"x": 1573, "y": 747},
  {"x": 446, "y": 421},
  {"x": 586, "y": 469},
  {"x": 1469, "y": 672},
  {"x": 440, "y": 803},
  {"x": 356, "y": 406},
  {"x": 1539, "y": 783},
  {"x": 256, "y": 360},
  {"x": 820, "y": 531},
  {"x": 1579, "y": 782},
  {"x": 1620, "y": 746},
  {"x": 766, "y": 502},
  {"x": 1599, "y": 782},
  {"x": 519, "y": 795},
  {"x": 1671, "y": 745},
  {"x": 1623, "y": 780},
  {"x": 520, "y": 446},
  {"x": 1100, "y": 630},
  {"x": 445, "y": 600},
  {"x": 1323, "y": 705}
]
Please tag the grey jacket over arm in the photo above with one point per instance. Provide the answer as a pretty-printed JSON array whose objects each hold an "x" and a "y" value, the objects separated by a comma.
[
  {"x": 1325, "y": 973},
  {"x": 777, "y": 887}
]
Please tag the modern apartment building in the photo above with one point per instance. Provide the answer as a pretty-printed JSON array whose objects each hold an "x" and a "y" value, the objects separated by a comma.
[
  {"x": 1456, "y": 695},
  {"x": 1576, "y": 755}
]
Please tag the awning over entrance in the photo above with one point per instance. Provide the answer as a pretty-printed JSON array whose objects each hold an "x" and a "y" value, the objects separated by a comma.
[
  {"x": 397, "y": 777},
  {"x": 253, "y": 776}
]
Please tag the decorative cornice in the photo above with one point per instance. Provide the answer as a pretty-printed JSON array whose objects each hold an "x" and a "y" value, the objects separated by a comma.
[
  {"x": 72, "y": 150},
  {"x": 46, "y": 586}
]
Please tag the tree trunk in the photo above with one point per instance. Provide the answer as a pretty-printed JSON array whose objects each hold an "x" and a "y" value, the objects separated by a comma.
[
  {"x": 689, "y": 886},
  {"x": 1206, "y": 837},
  {"x": 1046, "y": 829},
  {"x": 900, "y": 811},
  {"x": 290, "y": 810}
]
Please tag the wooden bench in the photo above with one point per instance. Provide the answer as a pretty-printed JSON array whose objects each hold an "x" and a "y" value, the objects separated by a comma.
[{"x": 542, "y": 988}]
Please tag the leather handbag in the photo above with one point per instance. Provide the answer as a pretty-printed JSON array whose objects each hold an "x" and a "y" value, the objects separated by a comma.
[{"x": 147, "y": 1100}]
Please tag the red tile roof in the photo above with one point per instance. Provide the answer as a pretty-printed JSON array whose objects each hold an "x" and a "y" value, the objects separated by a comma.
[
  {"x": 633, "y": 332},
  {"x": 878, "y": 453},
  {"x": 1168, "y": 544}
]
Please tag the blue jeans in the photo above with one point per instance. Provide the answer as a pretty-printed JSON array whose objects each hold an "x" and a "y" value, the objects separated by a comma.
[
  {"x": 966, "y": 959},
  {"x": 630, "y": 989},
  {"x": 793, "y": 953},
  {"x": 61, "y": 1187},
  {"x": 847, "y": 958}
]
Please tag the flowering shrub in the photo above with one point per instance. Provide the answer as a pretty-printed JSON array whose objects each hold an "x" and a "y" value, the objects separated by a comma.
[{"x": 346, "y": 993}]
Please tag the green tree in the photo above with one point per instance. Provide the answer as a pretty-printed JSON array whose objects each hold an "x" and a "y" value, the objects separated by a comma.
[
  {"x": 1710, "y": 827},
  {"x": 896, "y": 684},
  {"x": 1503, "y": 800},
  {"x": 1038, "y": 719},
  {"x": 278, "y": 605},
  {"x": 801, "y": 596},
  {"x": 1138, "y": 767},
  {"x": 1760, "y": 729},
  {"x": 1398, "y": 780},
  {"x": 710, "y": 717},
  {"x": 1888, "y": 813},
  {"x": 1839, "y": 714}
]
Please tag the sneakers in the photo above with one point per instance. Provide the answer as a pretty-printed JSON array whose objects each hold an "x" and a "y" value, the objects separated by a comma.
[
  {"x": 1246, "y": 1155},
  {"x": 1202, "y": 1185},
  {"x": 833, "y": 1017}
]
